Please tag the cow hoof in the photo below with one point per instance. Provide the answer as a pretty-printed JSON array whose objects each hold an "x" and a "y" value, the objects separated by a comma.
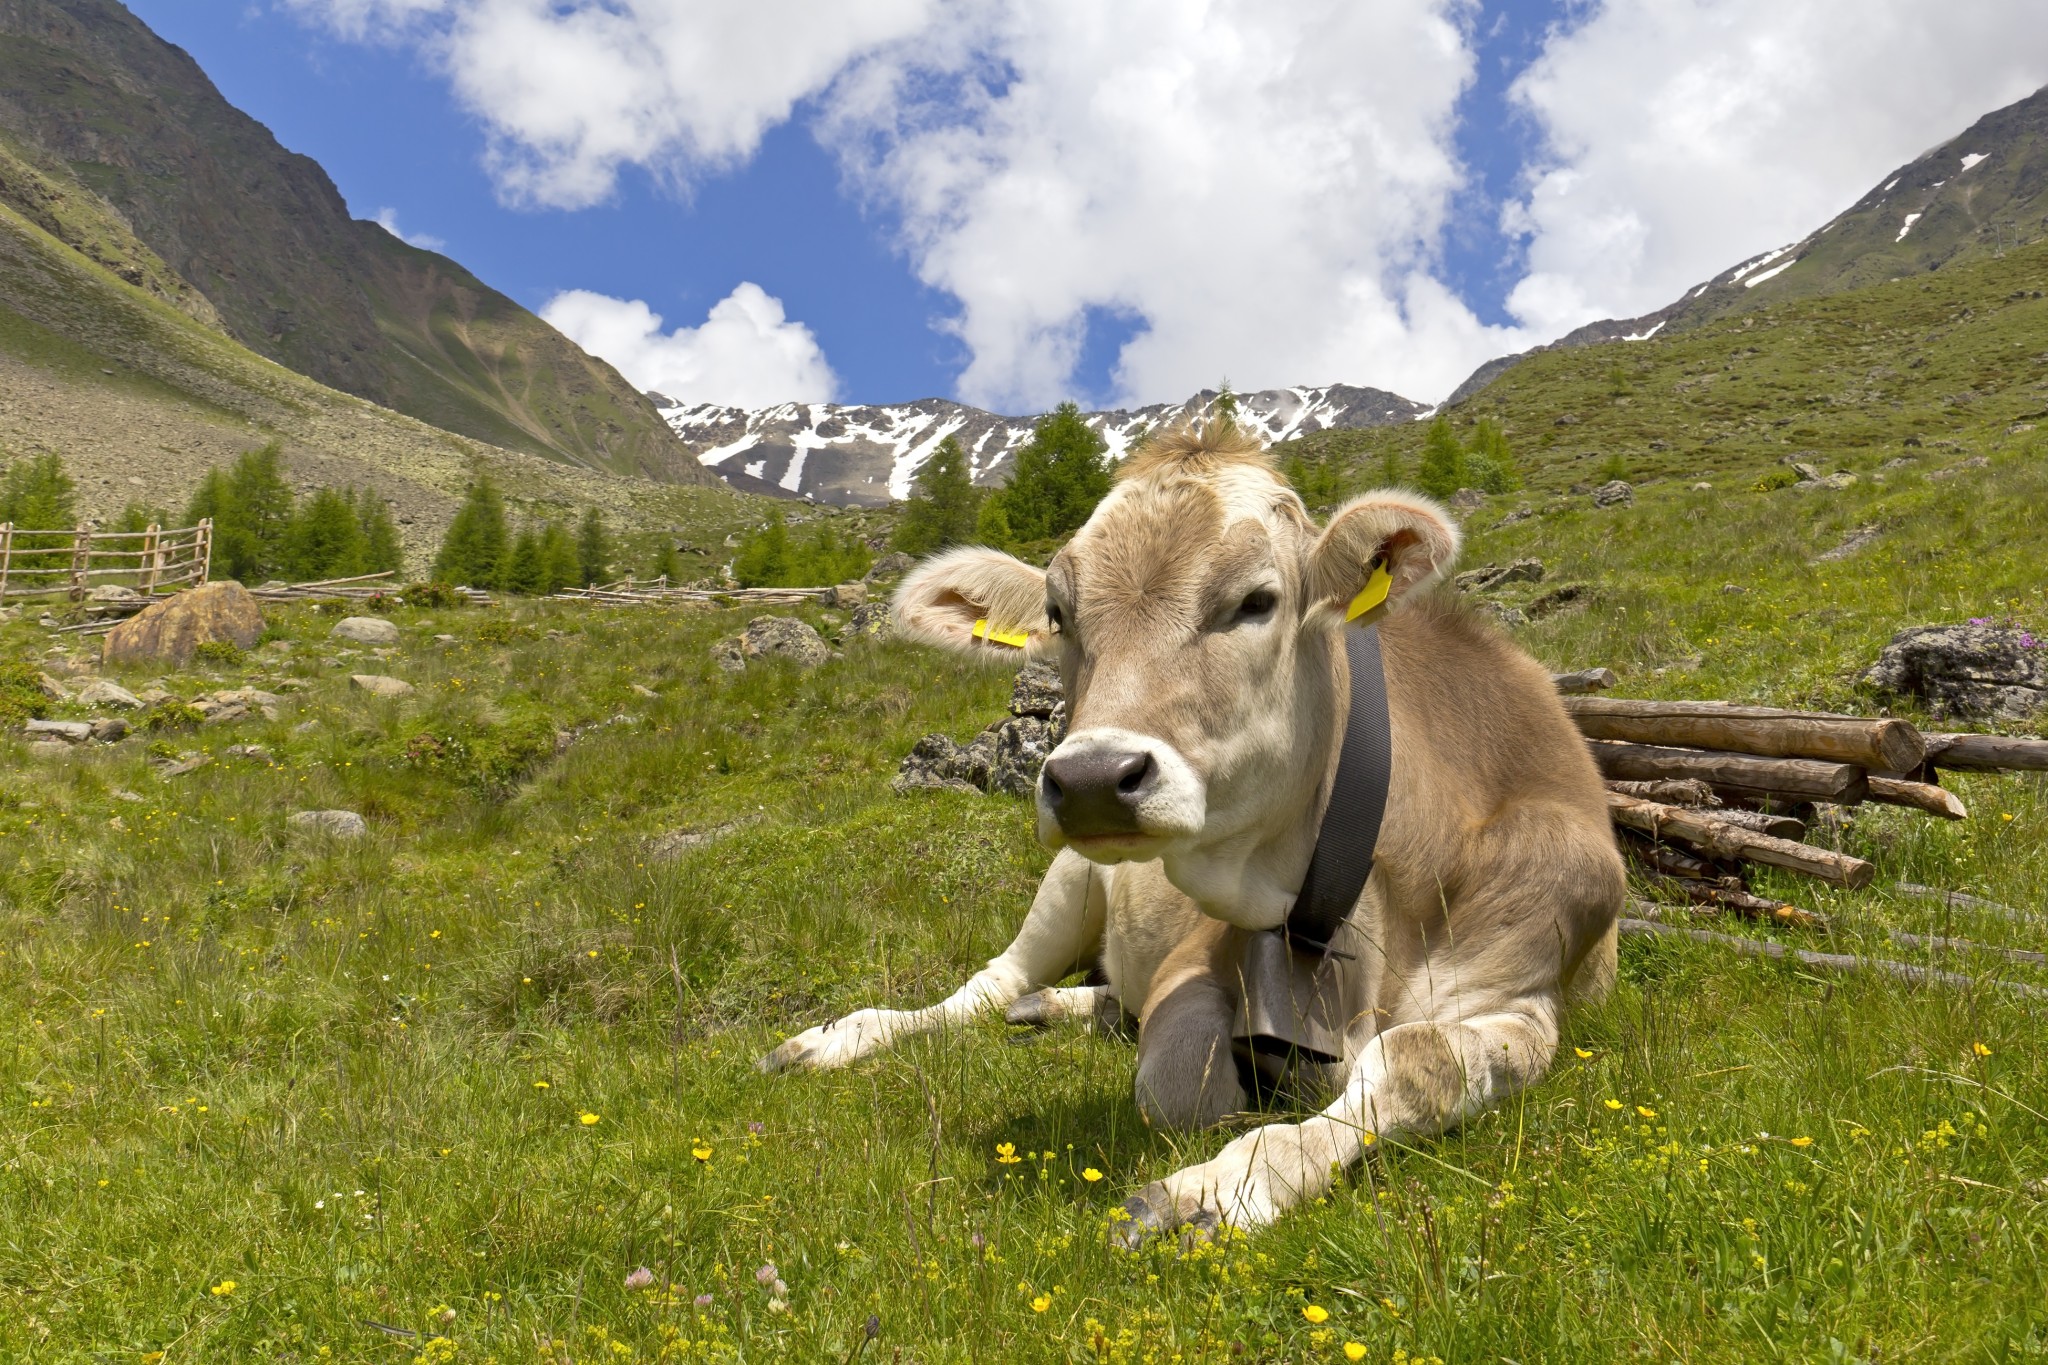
[
  {"x": 791, "y": 1054},
  {"x": 1148, "y": 1212},
  {"x": 1036, "y": 1010},
  {"x": 1202, "y": 1227}
]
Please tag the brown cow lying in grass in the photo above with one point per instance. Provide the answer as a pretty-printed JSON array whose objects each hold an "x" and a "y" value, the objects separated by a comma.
[{"x": 1196, "y": 621}]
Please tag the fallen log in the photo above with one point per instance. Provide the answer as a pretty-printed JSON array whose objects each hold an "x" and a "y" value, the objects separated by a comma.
[
  {"x": 1671, "y": 862},
  {"x": 1985, "y": 753},
  {"x": 1963, "y": 900},
  {"x": 1763, "y": 822},
  {"x": 1799, "y": 779},
  {"x": 1824, "y": 962},
  {"x": 1713, "y": 899},
  {"x": 1720, "y": 839},
  {"x": 1891, "y": 746},
  {"x": 1674, "y": 791},
  {"x": 1934, "y": 943},
  {"x": 1919, "y": 796},
  {"x": 1584, "y": 681}
]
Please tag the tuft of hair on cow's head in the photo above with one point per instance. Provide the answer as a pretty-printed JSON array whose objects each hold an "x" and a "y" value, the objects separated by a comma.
[
  {"x": 1414, "y": 536},
  {"x": 969, "y": 600}
]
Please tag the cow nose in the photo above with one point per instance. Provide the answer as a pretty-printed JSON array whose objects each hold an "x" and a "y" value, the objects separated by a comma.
[{"x": 1097, "y": 791}]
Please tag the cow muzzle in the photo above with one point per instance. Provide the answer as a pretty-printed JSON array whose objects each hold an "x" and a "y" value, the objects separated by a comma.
[{"x": 1107, "y": 787}]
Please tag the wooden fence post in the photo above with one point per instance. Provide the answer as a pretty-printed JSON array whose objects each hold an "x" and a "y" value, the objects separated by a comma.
[
  {"x": 81, "y": 557},
  {"x": 205, "y": 548},
  {"x": 152, "y": 559},
  {"x": 6, "y": 554}
]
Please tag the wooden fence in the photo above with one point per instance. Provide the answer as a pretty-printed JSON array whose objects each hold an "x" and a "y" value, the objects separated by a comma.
[{"x": 73, "y": 563}]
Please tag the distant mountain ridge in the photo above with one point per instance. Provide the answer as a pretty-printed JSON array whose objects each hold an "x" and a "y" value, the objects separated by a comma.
[
  {"x": 864, "y": 456},
  {"x": 1979, "y": 193},
  {"x": 95, "y": 105}
]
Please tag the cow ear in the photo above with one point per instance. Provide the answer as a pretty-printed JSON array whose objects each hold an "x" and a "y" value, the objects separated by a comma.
[
  {"x": 976, "y": 602},
  {"x": 1380, "y": 549}
]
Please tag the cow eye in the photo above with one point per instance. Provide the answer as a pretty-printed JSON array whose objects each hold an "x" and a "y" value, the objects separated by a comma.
[{"x": 1256, "y": 606}]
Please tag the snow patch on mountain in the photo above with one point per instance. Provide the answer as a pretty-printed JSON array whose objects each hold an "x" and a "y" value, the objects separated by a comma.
[{"x": 867, "y": 455}]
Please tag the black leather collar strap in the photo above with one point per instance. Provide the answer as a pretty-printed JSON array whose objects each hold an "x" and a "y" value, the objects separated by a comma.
[{"x": 1342, "y": 861}]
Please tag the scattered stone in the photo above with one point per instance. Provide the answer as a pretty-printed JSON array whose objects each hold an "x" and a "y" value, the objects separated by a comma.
[
  {"x": 444, "y": 639},
  {"x": 220, "y": 714},
  {"x": 51, "y": 688},
  {"x": 1490, "y": 576},
  {"x": 122, "y": 795},
  {"x": 1509, "y": 617},
  {"x": 305, "y": 727},
  {"x": 647, "y": 692},
  {"x": 1732, "y": 589},
  {"x": 1807, "y": 473},
  {"x": 1569, "y": 419},
  {"x": 846, "y": 595},
  {"x": 1854, "y": 541},
  {"x": 1976, "y": 669},
  {"x": 728, "y": 655},
  {"x": 112, "y": 730},
  {"x": 70, "y": 731},
  {"x": 1974, "y": 462},
  {"x": 870, "y": 618},
  {"x": 255, "y": 753},
  {"x": 1467, "y": 501},
  {"x": 1703, "y": 487},
  {"x": 1837, "y": 481},
  {"x": 48, "y": 748},
  {"x": 113, "y": 593},
  {"x": 1558, "y": 598},
  {"x": 167, "y": 632},
  {"x": 338, "y": 824},
  {"x": 783, "y": 637},
  {"x": 365, "y": 630},
  {"x": 669, "y": 846},
  {"x": 1007, "y": 755},
  {"x": 1900, "y": 462},
  {"x": 380, "y": 685},
  {"x": 184, "y": 766},
  {"x": 1520, "y": 514},
  {"x": 1614, "y": 493},
  {"x": 153, "y": 696},
  {"x": 892, "y": 565},
  {"x": 101, "y": 692},
  {"x": 2019, "y": 428}
]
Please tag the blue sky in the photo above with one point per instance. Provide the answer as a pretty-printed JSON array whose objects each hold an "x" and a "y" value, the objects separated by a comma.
[{"x": 959, "y": 199}]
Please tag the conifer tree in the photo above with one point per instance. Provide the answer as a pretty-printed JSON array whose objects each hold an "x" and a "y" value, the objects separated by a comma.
[
  {"x": 1492, "y": 464},
  {"x": 36, "y": 494},
  {"x": 560, "y": 566},
  {"x": 1390, "y": 467},
  {"x": 261, "y": 508},
  {"x": 943, "y": 504},
  {"x": 593, "y": 549},
  {"x": 1223, "y": 407},
  {"x": 1060, "y": 476},
  {"x": 524, "y": 570},
  {"x": 323, "y": 538},
  {"x": 668, "y": 563},
  {"x": 381, "y": 550},
  {"x": 1442, "y": 471},
  {"x": 473, "y": 552},
  {"x": 763, "y": 558}
]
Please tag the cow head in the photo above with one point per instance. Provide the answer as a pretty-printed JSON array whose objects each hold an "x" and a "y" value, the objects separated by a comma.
[{"x": 1194, "y": 620}]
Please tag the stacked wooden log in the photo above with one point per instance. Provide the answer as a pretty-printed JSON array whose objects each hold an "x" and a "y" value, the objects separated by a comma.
[{"x": 1699, "y": 791}]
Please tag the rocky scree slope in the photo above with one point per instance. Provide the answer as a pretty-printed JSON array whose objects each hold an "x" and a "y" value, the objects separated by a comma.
[
  {"x": 868, "y": 455},
  {"x": 103, "y": 107}
]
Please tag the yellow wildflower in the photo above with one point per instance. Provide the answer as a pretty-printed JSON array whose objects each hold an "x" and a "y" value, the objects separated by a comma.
[
  {"x": 1802, "y": 1142},
  {"x": 1006, "y": 1152},
  {"x": 1612, "y": 1104},
  {"x": 1980, "y": 1049},
  {"x": 1646, "y": 1111},
  {"x": 1091, "y": 1175},
  {"x": 586, "y": 1118},
  {"x": 1041, "y": 1303},
  {"x": 1315, "y": 1313},
  {"x": 1354, "y": 1350},
  {"x": 701, "y": 1150},
  {"x": 1582, "y": 1054},
  {"x": 223, "y": 1289}
]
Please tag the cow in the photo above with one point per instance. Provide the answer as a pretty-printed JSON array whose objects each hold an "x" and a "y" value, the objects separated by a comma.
[{"x": 1196, "y": 620}]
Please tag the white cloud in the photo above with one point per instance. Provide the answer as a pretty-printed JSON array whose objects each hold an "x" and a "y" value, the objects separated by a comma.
[
  {"x": 1261, "y": 184},
  {"x": 572, "y": 90},
  {"x": 425, "y": 241},
  {"x": 1688, "y": 135},
  {"x": 746, "y": 353}
]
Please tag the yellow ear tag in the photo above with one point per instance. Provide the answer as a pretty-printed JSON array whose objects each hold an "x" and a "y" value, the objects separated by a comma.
[
  {"x": 1372, "y": 598},
  {"x": 1016, "y": 639}
]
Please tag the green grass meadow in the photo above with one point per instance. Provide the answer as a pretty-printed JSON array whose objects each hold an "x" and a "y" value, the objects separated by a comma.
[{"x": 481, "y": 1086}]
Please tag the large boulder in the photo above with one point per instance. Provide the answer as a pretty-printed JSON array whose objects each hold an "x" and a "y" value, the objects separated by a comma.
[
  {"x": 168, "y": 632},
  {"x": 783, "y": 637},
  {"x": 380, "y": 685},
  {"x": 365, "y": 630},
  {"x": 336, "y": 824},
  {"x": 895, "y": 564},
  {"x": 1976, "y": 669}
]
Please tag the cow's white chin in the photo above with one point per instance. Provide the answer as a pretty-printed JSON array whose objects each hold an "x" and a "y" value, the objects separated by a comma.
[{"x": 1108, "y": 850}]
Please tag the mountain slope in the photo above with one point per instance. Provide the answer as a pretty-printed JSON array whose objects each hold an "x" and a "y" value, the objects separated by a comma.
[
  {"x": 1977, "y": 195},
  {"x": 140, "y": 397},
  {"x": 90, "y": 95},
  {"x": 864, "y": 456}
]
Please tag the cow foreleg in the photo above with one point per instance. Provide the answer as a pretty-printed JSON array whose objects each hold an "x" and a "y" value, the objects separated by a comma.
[
  {"x": 1063, "y": 926},
  {"x": 1418, "y": 1078}
]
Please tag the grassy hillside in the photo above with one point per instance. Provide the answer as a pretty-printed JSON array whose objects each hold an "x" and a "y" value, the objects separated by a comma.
[
  {"x": 262, "y": 233},
  {"x": 140, "y": 398},
  {"x": 273, "y": 1098}
]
